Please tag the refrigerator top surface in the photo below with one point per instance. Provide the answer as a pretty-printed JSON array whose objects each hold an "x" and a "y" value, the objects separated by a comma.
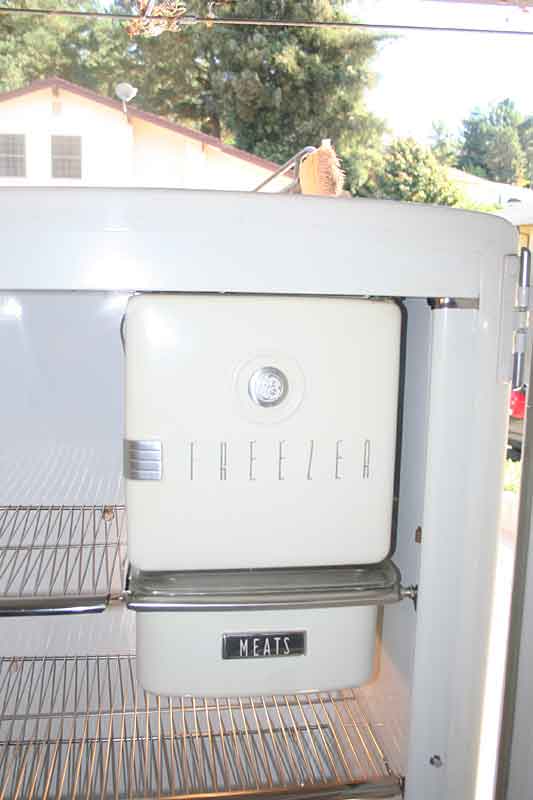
[{"x": 194, "y": 241}]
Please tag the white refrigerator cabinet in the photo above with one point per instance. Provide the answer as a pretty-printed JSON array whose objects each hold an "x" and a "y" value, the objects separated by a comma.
[{"x": 74, "y": 721}]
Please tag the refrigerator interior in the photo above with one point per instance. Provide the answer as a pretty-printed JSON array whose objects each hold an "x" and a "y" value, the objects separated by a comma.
[{"x": 74, "y": 722}]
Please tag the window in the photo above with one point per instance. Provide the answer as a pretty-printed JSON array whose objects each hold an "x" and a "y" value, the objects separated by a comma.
[
  {"x": 12, "y": 155},
  {"x": 66, "y": 156}
]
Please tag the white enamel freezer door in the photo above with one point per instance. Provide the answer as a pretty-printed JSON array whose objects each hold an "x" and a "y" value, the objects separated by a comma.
[{"x": 271, "y": 428}]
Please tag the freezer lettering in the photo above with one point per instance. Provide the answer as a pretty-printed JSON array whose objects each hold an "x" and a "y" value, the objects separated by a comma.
[
  {"x": 338, "y": 458},
  {"x": 223, "y": 461},
  {"x": 310, "y": 461},
  {"x": 281, "y": 459},
  {"x": 287, "y": 649},
  {"x": 366, "y": 459},
  {"x": 243, "y": 652},
  {"x": 191, "y": 460},
  {"x": 334, "y": 462},
  {"x": 251, "y": 472}
]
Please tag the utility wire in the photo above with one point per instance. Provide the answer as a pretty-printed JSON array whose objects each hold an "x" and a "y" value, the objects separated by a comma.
[{"x": 191, "y": 19}]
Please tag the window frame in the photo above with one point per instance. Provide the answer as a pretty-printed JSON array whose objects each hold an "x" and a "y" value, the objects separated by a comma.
[
  {"x": 65, "y": 159},
  {"x": 16, "y": 158}
]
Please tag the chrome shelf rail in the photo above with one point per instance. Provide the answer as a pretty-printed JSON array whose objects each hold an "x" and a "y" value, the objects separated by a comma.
[
  {"x": 60, "y": 559},
  {"x": 237, "y": 590},
  {"x": 72, "y": 559},
  {"x": 81, "y": 727}
]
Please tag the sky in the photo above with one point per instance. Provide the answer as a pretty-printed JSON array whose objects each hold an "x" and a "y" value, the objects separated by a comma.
[{"x": 424, "y": 77}]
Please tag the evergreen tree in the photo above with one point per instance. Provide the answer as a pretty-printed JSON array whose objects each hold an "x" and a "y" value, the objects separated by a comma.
[
  {"x": 85, "y": 51},
  {"x": 411, "y": 172},
  {"x": 475, "y": 140},
  {"x": 269, "y": 91},
  {"x": 525, "y": 133},
  {"x": 444, "y": 145},
  {"x": 491, "y": 146},
  {"x": 505, "y": 158}
]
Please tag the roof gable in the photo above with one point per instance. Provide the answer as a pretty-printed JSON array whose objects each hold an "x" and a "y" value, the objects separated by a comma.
[{"x": 154, "y": 119}]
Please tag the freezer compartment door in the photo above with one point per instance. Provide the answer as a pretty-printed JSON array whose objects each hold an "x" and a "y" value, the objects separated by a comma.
[{"x": 260, "y": 431}]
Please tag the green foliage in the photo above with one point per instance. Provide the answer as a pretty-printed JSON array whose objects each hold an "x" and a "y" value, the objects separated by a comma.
[
  {"x": 269, "y": 91},
  {"x": 525, "y": 133},
  {"x": 444, "y": 145},
  {"x": 505, "y": 159},
  {"x": 512, "y": 475},
  {"x": 476, "y": 135},
  {"x": 39, "y": 47},
  {"x": 504, "y": 115},
  {"x": 470, "y": 205},
  {"x": 411, "y": 172},
  {"x": 491, "y": 146},
  {"x": 286, "y": 88}
]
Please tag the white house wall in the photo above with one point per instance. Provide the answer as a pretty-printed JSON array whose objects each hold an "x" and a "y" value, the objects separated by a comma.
[
  {"x": 107, "y": 140},
  {"x": 117, "y": 151},
  {"x": 165, "y": 158}
]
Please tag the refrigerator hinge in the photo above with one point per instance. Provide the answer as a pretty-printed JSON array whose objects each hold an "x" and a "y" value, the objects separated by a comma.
[
  {"x": 514, "y": 318},
  {"x": 521, "y": 334},
  {"x": 520, "y": 343},
  {"x": 524, "y": 280}
]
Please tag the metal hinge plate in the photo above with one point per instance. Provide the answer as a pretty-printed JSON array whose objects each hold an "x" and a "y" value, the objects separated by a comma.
[{"x": 514, "y": 318}]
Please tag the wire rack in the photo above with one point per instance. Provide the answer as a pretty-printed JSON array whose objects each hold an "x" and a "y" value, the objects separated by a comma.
[
  {"x": 81, "y": 727},
  {"x": 58, "y": 559}
]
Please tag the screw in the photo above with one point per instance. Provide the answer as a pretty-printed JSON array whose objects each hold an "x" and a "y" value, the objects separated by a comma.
[
  {"x": 418, "y": 535},
  {"x": 108, "y": 513},
  {"x": 435, "y": 761}
]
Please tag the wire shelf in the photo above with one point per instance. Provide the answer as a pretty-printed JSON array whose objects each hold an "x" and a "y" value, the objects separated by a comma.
[
  {"x": 81, "y": 727},
  {"x": 60, "y": 559}
]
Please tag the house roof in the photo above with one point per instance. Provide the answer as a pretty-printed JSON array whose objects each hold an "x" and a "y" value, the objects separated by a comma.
[
  {"x": 154, "y": 119},
  {"x": 517, "y": 213},
  {"x": 491, "y": 187}
]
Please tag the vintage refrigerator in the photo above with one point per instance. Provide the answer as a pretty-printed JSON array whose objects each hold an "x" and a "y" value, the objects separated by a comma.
[{"x": 302, "y": 405}]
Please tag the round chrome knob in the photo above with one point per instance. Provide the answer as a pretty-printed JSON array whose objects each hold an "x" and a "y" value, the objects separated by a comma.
[{"x": 268, "y": 386}]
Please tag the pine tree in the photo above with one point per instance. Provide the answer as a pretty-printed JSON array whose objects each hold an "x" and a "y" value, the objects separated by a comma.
[
  {"x": 491, "y": 146},
  {"x": 269, "y": 91},
  {"x": 444, "y": 145}
]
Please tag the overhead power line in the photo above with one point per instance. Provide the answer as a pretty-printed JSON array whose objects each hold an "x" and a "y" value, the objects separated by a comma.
[{"x": 191, "y": 19}]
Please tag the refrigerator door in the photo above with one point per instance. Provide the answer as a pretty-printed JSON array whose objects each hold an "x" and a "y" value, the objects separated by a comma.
[
  {"x": 515, "y": 764},
  {"x": 260, "y": 431}
]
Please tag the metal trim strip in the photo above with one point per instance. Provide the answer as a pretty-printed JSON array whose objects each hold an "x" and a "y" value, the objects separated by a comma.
[
  {"x": 213, "y": 596},
  {"x": 51, "y": 606},
  {"x": 143, "y": 460}
]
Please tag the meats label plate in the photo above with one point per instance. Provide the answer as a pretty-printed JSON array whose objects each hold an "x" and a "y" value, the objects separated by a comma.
[{"x": 264, "y": 645}]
